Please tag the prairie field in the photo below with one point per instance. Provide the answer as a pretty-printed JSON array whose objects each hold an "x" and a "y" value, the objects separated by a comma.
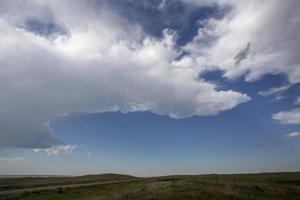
[{"x": 263, "y": 186}]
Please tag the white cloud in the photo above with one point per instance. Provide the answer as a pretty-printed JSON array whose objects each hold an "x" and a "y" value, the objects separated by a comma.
[
  {"x": 288, "y": 117},
  {"x": 57, "y": 150},
  {"x": 293, "y": 134},
  {"x": 297, "y": 101},
  {"x": 103, "y": 63},
  {"x": 271, "y": 27},
  {"x": 275, "y": 91},
  {"x": 12, "y": 160},
  {"x": 88, "y": 154},
  {"x": 162, "y": 4},
  {"x": 210, "y": 2}
]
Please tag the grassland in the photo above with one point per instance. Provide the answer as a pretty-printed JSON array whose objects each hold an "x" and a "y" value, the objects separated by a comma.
[
  {"x": 34, "y": 182},
  {"x": 264, "y": 186}
]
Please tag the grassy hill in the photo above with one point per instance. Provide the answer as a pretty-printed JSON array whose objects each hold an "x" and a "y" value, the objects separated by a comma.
[
  {"x": 265, "y": 186},
  {"x": 32, "y": 182}
]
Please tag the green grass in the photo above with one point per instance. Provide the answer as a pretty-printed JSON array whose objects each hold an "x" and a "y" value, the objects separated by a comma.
[
  {"x": 267, "y": 186},
  {"x": 32, "y": 182}
]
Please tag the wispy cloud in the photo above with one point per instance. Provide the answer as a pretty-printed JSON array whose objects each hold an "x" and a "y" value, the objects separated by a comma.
[
  {"x": 88, "y": 154},
  {"x": 276, "y": 91},
  {"x": 293, "y": 134},
  {"x": 12, "y": 160},
  {"x": 242, "y": 55},
  {"x": 297, "y": 101},
  {"x": 58, "y": 150}
]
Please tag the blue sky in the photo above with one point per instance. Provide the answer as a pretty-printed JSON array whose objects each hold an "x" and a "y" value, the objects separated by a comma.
[{"x": 149, "y": 87}]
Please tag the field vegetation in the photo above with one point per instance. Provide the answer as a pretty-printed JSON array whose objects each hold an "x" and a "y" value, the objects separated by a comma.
[{"x": 279, "y": 186}]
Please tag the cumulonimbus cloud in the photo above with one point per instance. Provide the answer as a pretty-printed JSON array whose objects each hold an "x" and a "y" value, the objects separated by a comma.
[
  {"x": 92, "y": 61},
  {"x": 56, "y": 58}
]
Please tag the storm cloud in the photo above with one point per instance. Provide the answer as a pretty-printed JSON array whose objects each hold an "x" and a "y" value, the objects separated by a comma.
[{"x": 59, "y": 57}]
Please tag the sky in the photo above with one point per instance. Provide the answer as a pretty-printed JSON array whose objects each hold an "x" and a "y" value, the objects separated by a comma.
[{"x": 149, "y": 87}]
